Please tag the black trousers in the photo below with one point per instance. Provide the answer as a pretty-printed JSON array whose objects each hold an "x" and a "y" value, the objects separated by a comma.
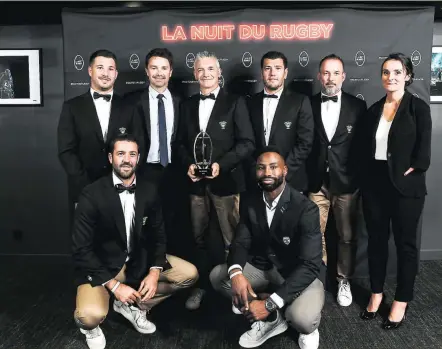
[{"x": 382, "y": 204}]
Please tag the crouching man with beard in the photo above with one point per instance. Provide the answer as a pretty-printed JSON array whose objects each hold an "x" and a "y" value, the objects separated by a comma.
[
  {"x": 276, "y": 250},
  {"x": 119, "y": 248}
]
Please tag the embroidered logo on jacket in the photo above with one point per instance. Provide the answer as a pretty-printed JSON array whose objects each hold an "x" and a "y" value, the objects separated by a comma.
[
  {"x": 286, "y": 240},
  {"x": 223, "y": 124},
  {"x": 288, "y": 125}
]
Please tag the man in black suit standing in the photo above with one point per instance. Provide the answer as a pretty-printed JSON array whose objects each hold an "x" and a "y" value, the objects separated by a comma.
[
  {"x": 87, "y": 122},
  {"x": 282, "y": 118},
  {"x": 277, "y": 243},
  {"x": 156, "y": 112},
  {"x": 119, "y": 248},
  {"x": 333, "y": 165},
  {"x": 224, "y": 117}
]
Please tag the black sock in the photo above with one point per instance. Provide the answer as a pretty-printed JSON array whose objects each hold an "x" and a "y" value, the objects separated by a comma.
[{"x": 272, "y": 316}]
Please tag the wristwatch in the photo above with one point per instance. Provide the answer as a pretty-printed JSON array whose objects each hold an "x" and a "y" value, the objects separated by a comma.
[{"x": 270, "y": 305}]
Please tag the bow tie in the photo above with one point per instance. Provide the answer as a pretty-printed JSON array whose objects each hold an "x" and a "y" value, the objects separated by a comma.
[
  {"x": 270, "y": 96},
  {"x": 121, "y": 188},
  {"x": 211, "y": 96},
  {"x": 97, "y": 95},
  {"x": 327, "y": 98}
]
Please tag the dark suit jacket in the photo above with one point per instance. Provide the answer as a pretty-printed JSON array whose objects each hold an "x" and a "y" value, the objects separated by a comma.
[
  {"x": 99, "y": 234},
  {"x": 140, "y": 103},
  {"x": 81, "y": 149},
  {"x": 232, "y": 138},
  {"x": 409, "y": 144},
  {"x": 340, "y": 154},
  {"x": 291, "y": 132},
  {"x": 292, "y": 244}
]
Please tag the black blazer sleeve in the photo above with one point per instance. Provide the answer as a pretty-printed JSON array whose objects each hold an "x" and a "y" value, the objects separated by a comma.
[
  {"x": 155, "y": 235},
  {"x": 304, "y": 138},
  {"x": 421, "y": 154},
  {"x": 82, "y": 241},
  {"x": 244, "y": 138},
  {"x": 310, "y": 255},
  {"x": 241, "y": 244},
  {"x": 68, "y": 148}
]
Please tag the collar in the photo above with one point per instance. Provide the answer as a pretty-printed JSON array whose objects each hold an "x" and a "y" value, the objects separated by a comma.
[
  {"x": 274, "y": 202},
  {"x": 100, "y": 92},
  {"x": 117, "y": 180},
  {"x": 339, "y": 94},
  {"x": 215, "y": 91},
  {"x": 279, "y": 93},
  {"x": 154, "y": 93}
]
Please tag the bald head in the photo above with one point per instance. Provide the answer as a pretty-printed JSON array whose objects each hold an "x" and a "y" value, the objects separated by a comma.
[{"x": 271, "y": 171}]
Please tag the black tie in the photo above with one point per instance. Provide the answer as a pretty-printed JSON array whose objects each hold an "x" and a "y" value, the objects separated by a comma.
[
  {"x": 211, "y": 96},
  {"x": 97, "y": 95},
  {"x": 327, "y": 98},
  {"x": 120, "y": 188},
  {"x": 162, "y": 132},
  {"x": 270, "y": 96}
]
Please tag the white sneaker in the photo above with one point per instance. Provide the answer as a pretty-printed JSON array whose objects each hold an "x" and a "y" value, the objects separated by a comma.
[
  {"x": 309, "y": 341},
  {"x": 194, "y": 301},
  {"x": 263, "y": 330},
  {"x": 136, "y": 316},
  {"x": 344, "y": 293},
  {"x": 235, "y": 310},
  {"x": 95, "y": 338}
]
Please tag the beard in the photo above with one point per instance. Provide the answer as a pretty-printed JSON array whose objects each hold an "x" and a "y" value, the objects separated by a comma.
[
  {"x": 277, "y": 181},
  {"x": 121, "y": 173},
  {"x": 331, "y": 90}
]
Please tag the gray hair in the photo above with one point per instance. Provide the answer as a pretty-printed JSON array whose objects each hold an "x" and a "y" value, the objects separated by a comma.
[{"x": 207, "y": 54}]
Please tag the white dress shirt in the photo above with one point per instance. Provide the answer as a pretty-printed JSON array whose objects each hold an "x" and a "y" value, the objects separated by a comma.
[
  {"x": 382, "y": 138},
  {"x": 103, "y": 109},
  {"x": 154, "y": 151},
  {"x": 128, "y": 204},
  {"x": 330, "y": 115},
  {"x": 205, "y": 109},
  {"x": 270, "y": 212},
  {"x": 269, "y": 106}
]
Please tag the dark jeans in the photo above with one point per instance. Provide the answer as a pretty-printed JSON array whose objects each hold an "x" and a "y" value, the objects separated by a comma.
[{"x": 382, "y": 203}]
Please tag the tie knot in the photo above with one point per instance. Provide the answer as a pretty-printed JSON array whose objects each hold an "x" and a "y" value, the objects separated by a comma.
[
  {"x": 270, "y": 96},
  {"x": 210, "y": 96},
  {"x": 121, "y": 188},
  {"x": 327, "y": 98},
  {"x": 160, "y": 96},
  {"x": 97, "y": 95}
]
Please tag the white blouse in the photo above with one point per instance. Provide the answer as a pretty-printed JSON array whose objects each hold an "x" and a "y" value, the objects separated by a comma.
[{"x": 382, "y": 138}]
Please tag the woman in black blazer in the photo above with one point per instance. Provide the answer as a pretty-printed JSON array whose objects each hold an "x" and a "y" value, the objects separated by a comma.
[{"x": 396, "y": 154}]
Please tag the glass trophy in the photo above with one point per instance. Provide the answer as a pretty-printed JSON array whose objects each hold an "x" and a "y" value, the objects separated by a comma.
[{"x": 202, "y": 152}]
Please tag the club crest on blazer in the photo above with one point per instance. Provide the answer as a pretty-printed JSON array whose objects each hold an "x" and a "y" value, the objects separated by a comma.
[
  {"x": 286, "y": 240},
  {"x": 349, "y": 128},
  {"x": 144, "y": 220},
  {"x": 223, "y": 124},
  {"x": 122, "y": 130},
  {"x": 288, "y": 125}
]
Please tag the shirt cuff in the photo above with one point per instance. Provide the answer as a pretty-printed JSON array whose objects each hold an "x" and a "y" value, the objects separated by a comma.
[
  {"x": 277, "y": 300},
  {"x": 235, "y": 266},
  {"x": 161, "y": 268},
  {"x": 106, "y": 282}
]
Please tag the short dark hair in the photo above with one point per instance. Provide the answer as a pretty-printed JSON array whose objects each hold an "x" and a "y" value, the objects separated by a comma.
[
  {"x": 122, "y": 137},
  {"x": 406, "y": 63},
  {"x": 159, "y": 52},
  {"x": 102, "y": 53},
  {"x": 331, "y": 56},
  {"x": 268, "y": 149},
  {"x": 274, "y": 55}
]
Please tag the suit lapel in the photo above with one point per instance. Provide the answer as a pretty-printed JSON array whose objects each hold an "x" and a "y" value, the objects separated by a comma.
[
  {"x": 258, "y": 115},
  {"x": 145, "y": 100},
  {"x": 317, "y": 113},
  {"x": 176, "y": 112},
  {"x": 280, "y": 209},
  {"x": 281, "y": 111},
  {"x": 91, "y": 110},
  {"x": 261, "y": 214},
  {"x": 216, "y": 111},
  {"x": 400, "y": 110},
  {"x": 344, "y": 114},
  {"x": 139, "y": 209},
  {"x": 114, "y": 112},
  {"x": 116, "y": 208}
]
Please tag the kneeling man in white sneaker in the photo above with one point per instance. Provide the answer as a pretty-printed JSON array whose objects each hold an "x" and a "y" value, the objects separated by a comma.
[
  {"x": 278, "y": 243},
  {"x": 119, "y": 248}
]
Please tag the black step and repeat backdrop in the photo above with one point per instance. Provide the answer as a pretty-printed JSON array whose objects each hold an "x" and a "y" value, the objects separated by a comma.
[{"x": 363, "y": 37}]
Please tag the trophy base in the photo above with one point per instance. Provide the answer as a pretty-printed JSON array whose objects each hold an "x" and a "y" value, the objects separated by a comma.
[{"x": 203, "y": 172}]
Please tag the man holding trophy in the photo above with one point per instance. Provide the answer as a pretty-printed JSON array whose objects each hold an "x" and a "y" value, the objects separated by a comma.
[{"x": 214, "y": 137}]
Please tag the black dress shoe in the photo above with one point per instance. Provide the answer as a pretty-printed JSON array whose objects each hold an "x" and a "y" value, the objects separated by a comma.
[
  {"x": 392, "y": 325},
  {"x": 370, "y": 315}
]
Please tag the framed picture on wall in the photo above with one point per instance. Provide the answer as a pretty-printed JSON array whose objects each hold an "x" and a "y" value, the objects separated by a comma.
[
  {"x": 21, "y": 77},
  {"x": 436, "y": 75}
]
